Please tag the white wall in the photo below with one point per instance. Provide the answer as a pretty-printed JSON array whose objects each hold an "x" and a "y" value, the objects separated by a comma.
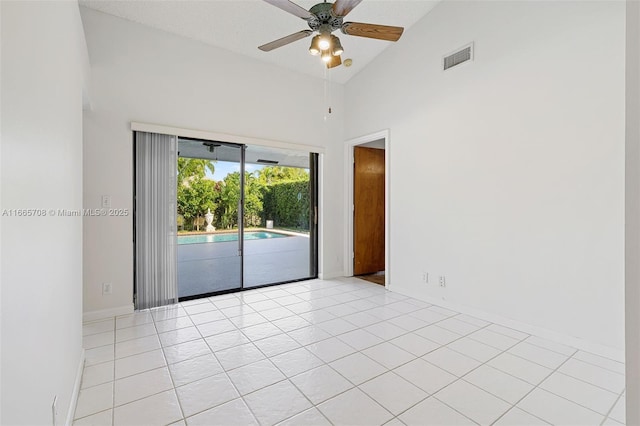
[
  {"x": 145, "y": 75},
  {"x": 41, "y": 153},
  {"x": 507, "y": 174},
  {"x": 632, "y": 205},
  {"x": 1, "y": 220}
]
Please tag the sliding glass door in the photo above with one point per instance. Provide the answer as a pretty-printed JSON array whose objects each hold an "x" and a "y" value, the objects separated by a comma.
[
  {"x": 209, "y": 201},
  {"x": 280, "y": 222},
  {"x": 245, "y": 217}
]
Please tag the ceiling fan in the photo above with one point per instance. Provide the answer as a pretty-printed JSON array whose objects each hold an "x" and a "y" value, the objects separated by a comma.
[{"x": 325, "y": 18}]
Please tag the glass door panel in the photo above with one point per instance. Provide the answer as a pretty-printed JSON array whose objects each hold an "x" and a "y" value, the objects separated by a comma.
[
  {"x": 279, "y": 217},
  {"x": 247, "y": 217},
  {"x": 209, "y": 200}
]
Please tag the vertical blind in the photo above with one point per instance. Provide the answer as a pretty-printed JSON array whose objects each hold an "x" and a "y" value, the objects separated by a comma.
[{"x": 155, "y": 221}]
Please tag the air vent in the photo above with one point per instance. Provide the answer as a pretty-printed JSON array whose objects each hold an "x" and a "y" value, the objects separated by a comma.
[
  {"x": 463, "y": 55},
  {"x": 266, "y": 162}
]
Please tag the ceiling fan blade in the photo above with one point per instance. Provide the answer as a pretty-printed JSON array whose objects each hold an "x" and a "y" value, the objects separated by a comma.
[
  {"x": 291, "y": 7},
  {"x": 343, "y": 7},
  {"x": 334, "y": 62},
  {"x": 285, "y": 40},
  {"x": 380, "y": 32}
]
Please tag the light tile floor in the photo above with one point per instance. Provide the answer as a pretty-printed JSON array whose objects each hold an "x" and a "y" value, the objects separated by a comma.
[{"x": 335, "y": 352}]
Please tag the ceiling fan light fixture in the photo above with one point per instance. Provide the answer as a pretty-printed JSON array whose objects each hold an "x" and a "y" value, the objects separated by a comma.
[
  {"x": 314, "y": 49},
  {"x": 337, "y": 46},
  {"x": 324, "y": 41},
  {"x": 323, "y": 19}
]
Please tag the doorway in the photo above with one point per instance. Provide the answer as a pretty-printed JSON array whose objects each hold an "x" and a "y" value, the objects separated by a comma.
[
  {"x": 367, "y": 208},
  {"x": 248, "y": 220},
  {"x": 209, "y": 238},
  {"x": 368, "y": 212}
]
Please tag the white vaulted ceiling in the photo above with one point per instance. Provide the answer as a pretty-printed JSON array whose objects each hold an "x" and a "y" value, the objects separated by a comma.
[{"x": 242, "y": 25}]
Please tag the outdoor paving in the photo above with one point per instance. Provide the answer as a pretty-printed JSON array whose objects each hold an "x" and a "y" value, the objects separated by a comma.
[{"x": 211, "y": 267}]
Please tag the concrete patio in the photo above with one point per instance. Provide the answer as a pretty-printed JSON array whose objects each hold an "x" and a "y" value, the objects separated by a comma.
[{"x": 212, "y": 267}]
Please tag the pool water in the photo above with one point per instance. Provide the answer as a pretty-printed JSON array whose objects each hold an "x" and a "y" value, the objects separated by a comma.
[{"x": 221, "y": 238}]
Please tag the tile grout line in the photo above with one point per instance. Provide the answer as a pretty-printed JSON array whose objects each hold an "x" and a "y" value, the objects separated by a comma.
[
  {"x": 486, "y": 363},
  {"x": 313, "y": 405},
  {"x": 589, "y": 383},
  {"x": 537, "y": 387},
  {"x": 325, "y": 363},
  {"x": 158, "y": 368},
  {"x": 113, "y": 385},
  {"x": 286, "y": 378},
  {"x": 328, "y": 295},
  {"x": 599, "y": 366},
  {"x": 240, "y": 395},
  {"x": 226, "y": 372},
  {"x": 524, "y": 339},
  {"x": 606, "y": 416},
  {"x": 175, "y": 393},
  {"x": 458, "y": 378},
  {"x": 506, "y": 350}
]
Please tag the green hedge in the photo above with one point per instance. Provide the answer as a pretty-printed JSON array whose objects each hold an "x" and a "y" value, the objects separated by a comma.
[{"x": 287, "y": 204}]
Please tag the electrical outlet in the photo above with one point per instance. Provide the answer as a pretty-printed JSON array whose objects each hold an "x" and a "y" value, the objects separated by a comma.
[
  {"x": 443, "y": 283},
  {"x": 425, "y": 277},
  {"x": 106, "y": 288},
  {"x": 54, "y": 411},
  {"x": 105, "y": 202}
]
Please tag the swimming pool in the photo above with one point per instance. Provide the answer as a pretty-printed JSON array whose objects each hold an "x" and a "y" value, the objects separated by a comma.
[{"x": 221, "y": 238}]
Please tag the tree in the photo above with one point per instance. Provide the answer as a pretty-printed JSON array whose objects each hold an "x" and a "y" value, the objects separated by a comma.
[
  {"x": 288, "y": 204},
  {"x": 274, "y": 174},
  {"x": 278, "y": 192},
  {"x": 230, "y": 197},
  {"x": 195, "y": 194},
  {"x": 253, "y": 196},
  {"x": 190, "y": 168},
  {"x": 195, "y": 198},
  {"x": 285, "y": 196}
]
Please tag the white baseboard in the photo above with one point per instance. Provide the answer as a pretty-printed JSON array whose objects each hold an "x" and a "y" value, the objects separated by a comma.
[
  {"x": 76, "y": 390},
  {"x": 107, "y": 313},
  {"x": 594, "y": 348},
  {"x": 330, "y": 275}
]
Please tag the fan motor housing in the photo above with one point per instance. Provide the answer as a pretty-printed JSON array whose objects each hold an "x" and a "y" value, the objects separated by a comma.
[{"x": 323, "y": 15}]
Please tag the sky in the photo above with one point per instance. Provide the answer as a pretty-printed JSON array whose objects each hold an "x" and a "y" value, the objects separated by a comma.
[{"x": 223, "y": 168}]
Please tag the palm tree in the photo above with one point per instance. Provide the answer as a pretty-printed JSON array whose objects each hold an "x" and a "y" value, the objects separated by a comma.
[
  {"x": 190, "y": 168},
  {"x": 194, "y": 193}
]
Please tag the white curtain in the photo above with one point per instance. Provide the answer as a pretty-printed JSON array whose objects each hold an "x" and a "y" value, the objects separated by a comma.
[{"x": 155, "y": 209}]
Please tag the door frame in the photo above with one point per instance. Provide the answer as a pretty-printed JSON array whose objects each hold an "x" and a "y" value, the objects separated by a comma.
[
  {"x": 241, "y": 141},
  {"x": 348, "y": 201}
]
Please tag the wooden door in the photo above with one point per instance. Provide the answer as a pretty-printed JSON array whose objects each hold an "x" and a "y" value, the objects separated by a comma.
[{"x": 368, "y": 211}]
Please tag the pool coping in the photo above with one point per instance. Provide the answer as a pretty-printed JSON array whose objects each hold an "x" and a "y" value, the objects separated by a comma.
[{"x": 273, "y": 230}]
